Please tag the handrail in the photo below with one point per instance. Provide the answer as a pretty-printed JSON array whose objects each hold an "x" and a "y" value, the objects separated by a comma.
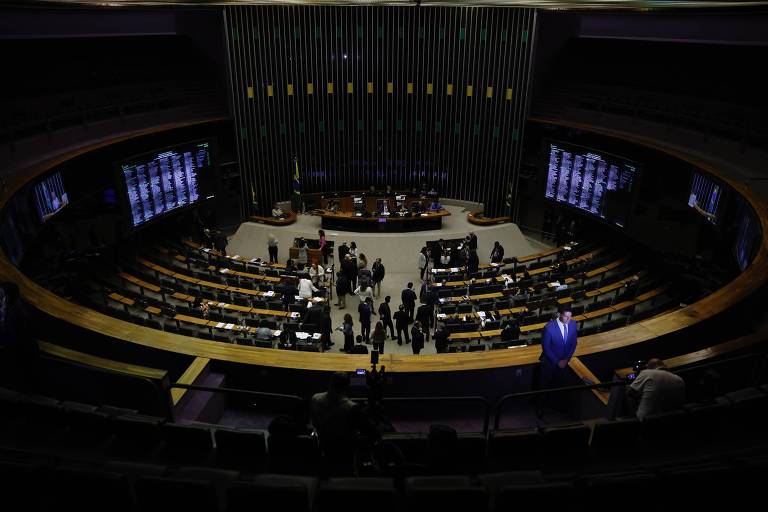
[{"x": 234, "y": 391}]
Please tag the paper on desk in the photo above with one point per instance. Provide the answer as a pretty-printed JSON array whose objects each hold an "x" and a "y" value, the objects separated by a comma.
[
  {"x": 494, "y": 264},
  {"x": 277, "y": 332},
  {"x": 206, "y": 249},
  {"x": 441, "y": 299},
  {"x": 302, "y": 335},
  {"x": 481, "y": 314},
  {"x": 220, "y": 325},
  {"x": 270, "y": 293},
  {"x": 454, "y": 269},
  {"x": 317, "y": 336},
  {"x": 440, "y": 316},
  {"x": 223, "y": 270},
  {"x": 229, "y": 326},
  {"x": 295, "y": 314},
  {"x": 554, "y": 283},
  {"x": 223, "y": 304}
]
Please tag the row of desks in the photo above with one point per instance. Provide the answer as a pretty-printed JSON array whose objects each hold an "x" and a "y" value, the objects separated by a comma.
[{"x": 525, "y": 329}]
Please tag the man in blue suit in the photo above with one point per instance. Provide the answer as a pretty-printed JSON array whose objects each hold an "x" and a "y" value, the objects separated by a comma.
[{"x": 557, "y": 346}]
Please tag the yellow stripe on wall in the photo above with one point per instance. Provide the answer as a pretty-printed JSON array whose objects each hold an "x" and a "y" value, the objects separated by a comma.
[
  {"x": 449, "y": 90},
  {"x": 290, "y": 89},
  {"x": 469, "y": 90},
  {"x": 509, "y": 93},
  {"x": 270, "y": 92},
  {"x": 390, "y": 87},
  {"x": 370, "y": 87},
  {"x": 250, "y": 92},
  {"x": 350, "y": 89},
  {"x": 489, "y": 92},
  {"x": 310, "y": 88},
  {"x": 429, "y": 88},
  {"x": 409, "y": 88},
  {"x": 330, "y": 87}
]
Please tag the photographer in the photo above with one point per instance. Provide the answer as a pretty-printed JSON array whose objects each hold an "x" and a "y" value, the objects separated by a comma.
[{"x": 655, "y": 390}]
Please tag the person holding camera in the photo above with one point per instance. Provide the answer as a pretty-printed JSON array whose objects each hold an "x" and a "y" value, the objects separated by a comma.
[{"x": 655, "y": 390}]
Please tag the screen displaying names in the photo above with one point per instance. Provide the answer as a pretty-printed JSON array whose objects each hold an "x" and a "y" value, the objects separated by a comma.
[
  {"x": 163, "y": 181},
  {"x": 591, "y": 181}
]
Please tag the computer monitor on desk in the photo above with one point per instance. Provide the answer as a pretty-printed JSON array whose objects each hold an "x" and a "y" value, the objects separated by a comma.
[{"x": 358, "y": 204}]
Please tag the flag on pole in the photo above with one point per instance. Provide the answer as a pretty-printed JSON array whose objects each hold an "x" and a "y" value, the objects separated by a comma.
[{"x": 296, "y": 180}]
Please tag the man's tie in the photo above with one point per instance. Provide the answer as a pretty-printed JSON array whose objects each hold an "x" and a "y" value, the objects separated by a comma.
[{"x": 565, "y": 331}]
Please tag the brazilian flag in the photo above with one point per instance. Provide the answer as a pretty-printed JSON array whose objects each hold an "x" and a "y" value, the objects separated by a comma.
[{"x": 296, "y": 180}]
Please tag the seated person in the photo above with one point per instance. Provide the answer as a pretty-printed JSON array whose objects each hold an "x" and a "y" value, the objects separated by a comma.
[
  {"x": 278, "y": 212},
  {"x": 432, "y": 193},
  {"x": 655, "y": 390},
  {"x": 435, "y": 206},
  {"x": 389, "y": 192},
  {"x": 333, "y": 205},
  {"x": 264, "y": 333}
]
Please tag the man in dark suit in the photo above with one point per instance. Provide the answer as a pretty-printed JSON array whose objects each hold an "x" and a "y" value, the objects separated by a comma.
[
  {"x": 408, "y": 298},
  {"x": 558, "y": 344},
  {"x": 343, "y": 251},
  {"x": 473, "y": 241},
  {"x": 366, "y": 310},
  {"x": 417, "y": 335},
  {"x": 385, "y": 314},
  {"x": 497, "y": 254},
  {"x": 401, "y": 324},
  {"x": 425, "y": 317}
]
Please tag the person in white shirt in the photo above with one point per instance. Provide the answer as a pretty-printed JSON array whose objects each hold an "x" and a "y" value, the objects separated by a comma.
[
  {"x": 316, "y": 273},
  {"x": 306, "y": 288},
  {"x": 364, "y": 292},
  {"x": 656, "y": 390}
]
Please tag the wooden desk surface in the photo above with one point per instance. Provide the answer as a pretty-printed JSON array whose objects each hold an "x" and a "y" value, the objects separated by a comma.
[{"x": 375, "y": 218}]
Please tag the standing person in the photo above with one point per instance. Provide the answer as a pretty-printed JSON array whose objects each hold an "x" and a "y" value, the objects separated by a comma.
[
  {"x": 385, "y": 314},
  {"x": 306, "y": 288},
  {"x": 377, "y": 276},
  {"x": 364, "y": 292},
  {"x": 378, "y": 337},
  {"x": 656, "y": 390},
  {"x": 558, "y": 344},
  {"x": 342, "y": 289},
  {"x": 401, "y": 323},
  {"x": 343, "y": 251},
  {"x": 303, "y": 256},
  {"x": 473, "y": 241},
  {"x": 349, "y": 267},
  {"x": 425, "y": 317},
  {"x": 353, "y": 249},
  {"x": 473, "y": 262},
  {"x": 272, "y": 248},
  {"x": 423, "y": 261},
  {"x": 497, "y": 254},
  {"x": 289, "y": 292},
  {"x": 365, "y": 309},
  {"x": 323, "y": 246},
  {"x": 349, "y": 334},
  {"x": 362, "y": 262},
  {"x": 325, "y": 328},
  {"x": 408, "y": 298},
  {"x": 418, "y": 338}
]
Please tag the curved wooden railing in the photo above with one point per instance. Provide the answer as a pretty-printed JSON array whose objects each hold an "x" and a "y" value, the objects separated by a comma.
[
  {"x": 477, "y": 219},
  {"x": 749, "y": 281},
  {"x": 272, "y": 221}
]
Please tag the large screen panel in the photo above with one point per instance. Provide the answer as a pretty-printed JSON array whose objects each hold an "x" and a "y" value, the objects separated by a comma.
[
  {"x": 706, "y": 196},
  {"x": 592, "y": 181},
  {"x": 162, "y": 181},
  {"x": 50, "y": 196}
]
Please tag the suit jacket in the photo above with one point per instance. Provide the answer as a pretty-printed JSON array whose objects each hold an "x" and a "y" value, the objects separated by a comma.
[
  {"x": 424, "y": 315},
  {"x": 417, "y": 338},
  {"x": 553, "y": 347},
  {"x": 408, "y": 297}
]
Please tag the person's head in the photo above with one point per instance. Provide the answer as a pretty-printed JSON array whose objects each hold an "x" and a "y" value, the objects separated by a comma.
[
  {"x": 321, "y": 233},
  {"x": 197, "y": 303},
  {"x": 496, "y": 244},
  {"x": 272, "y": 237},
  {"x": 379, "y": 327},
  {"x": 347, "y": 318},
  {"x": 359, "y": 339},
  {"x": 387, "y": 299},
  {"x": 314, "y": 264},
  {"x": 343, "y": 243},
  {"x": 339, "y": 383},
  {"x": 410, "y": 285},
  {"x": 289, "y": 263},
  {"x": 564, "y": 313},
  {"x": 372, "y": 188},
  {"x": 389, "y": 188},
  {"x": 401, "y": 307},
  {"x": 369, "y": 301},
  {"x": 378, "y": 260},
  {"x": 362, "y": 257},
  {"x": 353, "y": 245},
  {"x": 656, "y": 364},
  {"x": 417, "y": 324},
  {"x": 300, "y": 266}
]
